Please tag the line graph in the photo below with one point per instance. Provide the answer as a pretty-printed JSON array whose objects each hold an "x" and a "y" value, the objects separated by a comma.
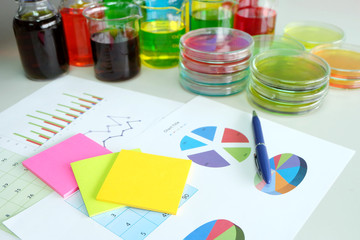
[{"x": 119, "y": 126}]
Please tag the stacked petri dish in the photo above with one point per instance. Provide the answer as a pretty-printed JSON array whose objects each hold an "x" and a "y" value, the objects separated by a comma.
[
  {"x": 288, "y": 81},
  {"x": 215, "y": 61},
  {"x": 344, "y": 61},
  {"x": 312, "y": 34}
]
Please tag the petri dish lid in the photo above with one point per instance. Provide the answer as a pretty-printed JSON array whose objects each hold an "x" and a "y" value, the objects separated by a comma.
[
  {"x": 213, "y": 68},
  {"x": 217, "y": 44},
  {"x": 344, "y": 83},
  {"x": 213, "y": 79},
  {"x": 311, "y": 34},
  {"x": 289, "y": 96},
  {"x": 213, "y": 90},
  {"x": 279, "y": 107},
  {"x": 269, "y": 41},
  {"x": 290, "y": 69},
  {"x": 344, "y": 60}
]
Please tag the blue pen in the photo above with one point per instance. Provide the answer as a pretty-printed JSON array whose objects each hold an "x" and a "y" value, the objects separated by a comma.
[{"x": 261, "y": 157}]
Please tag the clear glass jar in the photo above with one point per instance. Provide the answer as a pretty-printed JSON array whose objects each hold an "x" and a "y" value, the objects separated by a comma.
[{"x": 40, "y": 39}]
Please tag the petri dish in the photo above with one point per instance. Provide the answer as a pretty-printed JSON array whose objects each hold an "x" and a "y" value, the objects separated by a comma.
[
  {"x": 214, "y": 68},
  {"x": 312, "y": 34},
  {"x": 213, "y": 90},
  {"x": 213, "y": 78},
  {"x": 269, "y": 41},
  {"x": 217, "y": 44},
  {"x": 290, "y": 96},
  {"x": 344, "y": 83},
  {"x": 279, "y": 107},
  {"x": 290, "y": 69},
  {"x": 344, "y": 61}
]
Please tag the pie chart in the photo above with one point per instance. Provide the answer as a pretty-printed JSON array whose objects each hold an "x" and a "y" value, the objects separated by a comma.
[
  {"x": 287, "y": 172},
  {"x": 212, "y": 146},
  {"x": 217, "y": 230}
]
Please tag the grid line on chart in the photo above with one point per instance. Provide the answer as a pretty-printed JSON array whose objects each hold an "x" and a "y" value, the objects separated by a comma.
[
  {"x": 29, "y": 184},
  {"x": 129, "y": 223},
  {"x": 151, "y": 220},
  {"x": 21, "y": 206},
  {"x": 19, "y": 187}
]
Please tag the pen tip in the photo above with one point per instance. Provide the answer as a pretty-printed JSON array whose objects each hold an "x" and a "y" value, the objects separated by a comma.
[{"x": 254, "y": 113}]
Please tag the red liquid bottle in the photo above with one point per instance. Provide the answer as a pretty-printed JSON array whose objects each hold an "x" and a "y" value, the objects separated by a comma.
[
  {"x": 256, "y": 17},
  {"x": 76, "y": 32},
  {"x": 40, "y": 39}
]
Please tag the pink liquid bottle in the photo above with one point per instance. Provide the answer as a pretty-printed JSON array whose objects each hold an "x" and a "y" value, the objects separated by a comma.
[
  {"x": 77, "y": 32},
  {"x": 256, "y": 16},
  {"x": 40, "y": 39}
]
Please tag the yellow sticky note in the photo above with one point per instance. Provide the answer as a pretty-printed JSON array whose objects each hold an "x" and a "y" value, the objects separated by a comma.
[
  {"x": 146, "y": 181},
  {"x": 90, "y": 174}
]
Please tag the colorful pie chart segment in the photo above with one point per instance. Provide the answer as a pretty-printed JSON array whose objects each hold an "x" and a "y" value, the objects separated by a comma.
[
  {"x": 190, "y": 143},
  {"x": 217, "y": 230},
  {"x": 206, "y": 132},
  {"x": 209, "y": 159},
  {"x": 203, "y": 148},
  {"x": 231, "y": 135},
  {"x": 288, "y": 171}
]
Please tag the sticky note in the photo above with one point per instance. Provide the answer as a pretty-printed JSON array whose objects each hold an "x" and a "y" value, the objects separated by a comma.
[
  {"x": 90, "y": 174},
  {"x": 52, "y": 166},
  {"x": 146, "y": 181}
]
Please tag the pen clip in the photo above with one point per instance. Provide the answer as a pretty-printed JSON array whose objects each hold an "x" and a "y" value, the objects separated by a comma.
[{"x": 257, "y": 166}]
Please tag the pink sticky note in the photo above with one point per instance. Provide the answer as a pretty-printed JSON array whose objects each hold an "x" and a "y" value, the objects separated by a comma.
[{"x": 52, "y": 166}]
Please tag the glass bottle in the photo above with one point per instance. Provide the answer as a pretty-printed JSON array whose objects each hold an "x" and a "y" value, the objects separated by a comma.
[
  {"x": 77, "y": 32},
  {"x": 40, "y": 39},
  {"x": 256, "y": 16}
]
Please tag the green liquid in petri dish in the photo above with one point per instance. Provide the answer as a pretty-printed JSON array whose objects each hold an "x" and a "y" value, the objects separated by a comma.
[
  {"x": 205, "y": 18},
  {"x": 279, "y": 107},
  {"x": 293, "y": 71},
  {"x": 311, "y": 36},
  {"x": 160, "y": 43}
]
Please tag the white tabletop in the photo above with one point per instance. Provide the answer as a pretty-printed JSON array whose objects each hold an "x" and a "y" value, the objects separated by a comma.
[{"x": 337, "y": 120}]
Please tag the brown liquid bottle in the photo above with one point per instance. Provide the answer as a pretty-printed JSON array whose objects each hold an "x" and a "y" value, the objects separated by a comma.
[{"x": 40, "y": 38}]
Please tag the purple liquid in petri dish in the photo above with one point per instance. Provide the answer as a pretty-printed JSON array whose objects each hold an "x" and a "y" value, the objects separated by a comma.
[{"x": 218, "y": 45}]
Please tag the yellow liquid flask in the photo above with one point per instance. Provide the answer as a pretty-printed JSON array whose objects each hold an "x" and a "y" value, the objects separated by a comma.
[{"x": 162, "y": 26}]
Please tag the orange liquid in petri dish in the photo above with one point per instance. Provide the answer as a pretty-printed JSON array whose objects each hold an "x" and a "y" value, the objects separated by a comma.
[{"x": 345, "y": 67}]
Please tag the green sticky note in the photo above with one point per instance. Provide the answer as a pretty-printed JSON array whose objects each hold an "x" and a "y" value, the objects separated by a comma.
[{"x": 90, "y": 174}]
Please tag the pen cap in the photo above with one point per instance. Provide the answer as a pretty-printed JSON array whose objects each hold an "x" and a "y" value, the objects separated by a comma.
[{"x": 259, "y": 138}]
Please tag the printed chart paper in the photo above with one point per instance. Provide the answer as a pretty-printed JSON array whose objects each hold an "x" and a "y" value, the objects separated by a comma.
[
  {"x": 52, "y": 211},
  {"x": 52, "y": 165},
  {"x": 19, "y": 187},
  {"x": 110, "y": 116},
  {"x": 145, "y": 181},
  {"x": 72, "y": 222},
  {"x": 131, "y": 223},
  {"x": 221, "y": 147},
  {"x": 90, "y": 174},
  {"x": 70, "y": 105}
]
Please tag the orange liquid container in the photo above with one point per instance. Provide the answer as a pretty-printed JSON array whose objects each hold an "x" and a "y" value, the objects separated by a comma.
[
  {"x": 77, "y": 37},
  {"x": 344, "y": 61}
]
